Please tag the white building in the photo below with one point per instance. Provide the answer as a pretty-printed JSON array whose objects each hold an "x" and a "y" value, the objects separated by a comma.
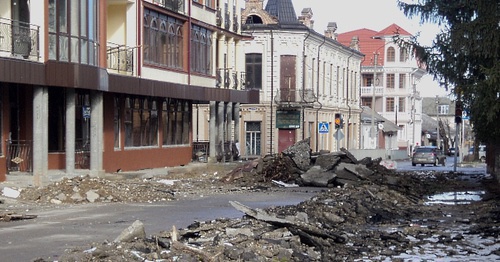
[{"x": 389, "y": 86}]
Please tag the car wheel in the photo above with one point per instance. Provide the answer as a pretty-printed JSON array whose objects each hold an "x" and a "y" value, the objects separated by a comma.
[
  {"x": 422, "y": 164},
  {"x": 413, "y": 164}
]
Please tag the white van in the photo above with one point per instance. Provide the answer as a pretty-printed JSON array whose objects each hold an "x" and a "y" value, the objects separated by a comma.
[{"x": 481, "y": 153}]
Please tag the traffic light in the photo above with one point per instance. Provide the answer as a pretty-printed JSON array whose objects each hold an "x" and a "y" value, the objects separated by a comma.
[
  {"x": 338, "y": 121},
  {"x": 458, "y": 111}
]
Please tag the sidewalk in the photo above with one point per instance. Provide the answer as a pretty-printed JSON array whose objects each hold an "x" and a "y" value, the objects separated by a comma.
[{"x": 18, "y": 180}]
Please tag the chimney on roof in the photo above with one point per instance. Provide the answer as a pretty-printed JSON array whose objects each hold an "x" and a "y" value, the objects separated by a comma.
[
  {"x": 330, "y": 30},
  {"x": 354, "y": 43},
  {"x": 306, "y": 17}
]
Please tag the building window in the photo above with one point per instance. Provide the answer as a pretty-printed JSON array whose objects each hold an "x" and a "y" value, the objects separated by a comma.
[
  {"x": 402, "y": 104},
  {"x": 163, "y": 40},
  {"x": 201, "y": 50},
  {"x": 116, "y": 122},
  {"x": 402, "y": 80},
  {"x": 389, "y": 104},
  {"x": 141, "y": 122},
  {"x": 253, "y": 67},
  {"x": 403, "y": 55},
  {"x": 252, "y": 138},
  {"x": 390, "y": 81},
  {"x": 365, "y": 101},
  {"x": 73, "y": 31},
  {"x": 444, "y": 109},
  {"x": 391, "y": 54},
  {"x": 176, "y": 121}
]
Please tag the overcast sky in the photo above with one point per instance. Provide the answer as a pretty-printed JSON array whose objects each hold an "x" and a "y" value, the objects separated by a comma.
[{"x": 371, "y": 14}]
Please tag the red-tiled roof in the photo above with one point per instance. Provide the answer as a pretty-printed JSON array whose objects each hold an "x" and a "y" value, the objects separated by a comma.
[{"x": 368, "y": 45}]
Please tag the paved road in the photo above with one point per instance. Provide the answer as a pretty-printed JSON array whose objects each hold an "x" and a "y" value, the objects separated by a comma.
[{"x": 57, "y": 229}]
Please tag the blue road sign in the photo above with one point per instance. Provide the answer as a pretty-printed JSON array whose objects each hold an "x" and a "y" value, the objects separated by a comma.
[{"x": 323, "y": 127}]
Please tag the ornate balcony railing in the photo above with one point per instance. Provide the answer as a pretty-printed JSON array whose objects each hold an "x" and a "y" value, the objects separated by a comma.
[
  {"x": 227, "y": 21},
  {"x": 230, "y": 79},
  {"x": 236, "y": 25},
  {"x": 173, "y": 5},
  {"x": 120, "y": 58},
  {"x": 218, "y": 19},
  {"x": 295, "y": 97},
  {"x": 368, "y": 91},
  {"x": 19, "y": 39}
]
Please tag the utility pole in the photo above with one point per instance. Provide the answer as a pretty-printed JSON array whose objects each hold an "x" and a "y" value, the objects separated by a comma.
[
  {"x": 372, "y": 129},
  {"x": 437, "y": 117}
]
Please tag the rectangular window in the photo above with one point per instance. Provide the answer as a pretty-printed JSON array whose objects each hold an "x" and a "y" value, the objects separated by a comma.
[
  {"x": 201, "y": 50},
  {"x": 141, "y": 122},
  {"x": 365, "y": 101},
  {"x": 253, "y": 67},
  {"x": 116, "y": 122},
  {"x": 176, "y": 121},
  {"x": 444, "y": 109},
  {"x": 253, "y": 138},
  {"x": 73, "y": 31},
  {"x": 389, "y": 104},
  {"x": 390, "y": 81},
  {"x": 402, "y": 104},
  {"x": 402, "y": 81},
  {"x": 288, "y": 82}
]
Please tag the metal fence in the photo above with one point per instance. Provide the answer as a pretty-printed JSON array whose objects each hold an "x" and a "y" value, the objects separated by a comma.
[{"x": 19, "y": 155}]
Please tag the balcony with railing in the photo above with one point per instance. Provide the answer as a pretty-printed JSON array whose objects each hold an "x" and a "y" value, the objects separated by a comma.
[
  {"x": 230, "y": 79},
  {"x": 120, "y": 58},
  {"x": 172, "y": 5},
  {"x": 19, "y": 39},
  {"x": 367, "y": 91},
  {"x": 218, "y": 20},
  {"x": 295, "y": 98}
]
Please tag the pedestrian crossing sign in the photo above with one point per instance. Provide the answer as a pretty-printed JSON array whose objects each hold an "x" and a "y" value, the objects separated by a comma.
[{"x": 323, "y": 127}]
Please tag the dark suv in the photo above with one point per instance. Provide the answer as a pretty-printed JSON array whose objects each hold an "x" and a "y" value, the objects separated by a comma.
[{"x": 428, "y": 155}]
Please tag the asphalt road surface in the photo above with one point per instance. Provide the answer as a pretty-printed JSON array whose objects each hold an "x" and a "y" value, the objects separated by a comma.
[{"x": 57, "y": 229}]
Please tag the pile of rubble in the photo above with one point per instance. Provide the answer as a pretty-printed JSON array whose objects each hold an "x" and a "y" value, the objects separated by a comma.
[{"x": 365, "y": 211}]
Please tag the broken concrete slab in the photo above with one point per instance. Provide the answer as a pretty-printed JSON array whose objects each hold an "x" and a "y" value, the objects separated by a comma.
[
  {"x": 317, "y": 176},
  {"x": 300, "y": 153},
  {"x": 134, "y": 231}
]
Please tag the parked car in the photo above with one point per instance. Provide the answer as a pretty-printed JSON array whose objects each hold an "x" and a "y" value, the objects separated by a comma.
[
  {"x": 451, "y": 151},
  {"x": 430, "y": 155},
  {"x": 481, "y": 152}
]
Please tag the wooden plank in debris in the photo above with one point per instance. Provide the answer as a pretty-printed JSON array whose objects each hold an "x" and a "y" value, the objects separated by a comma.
[
  {"x": 14, "y": 216},
  {"x": 262, "y": 215}
]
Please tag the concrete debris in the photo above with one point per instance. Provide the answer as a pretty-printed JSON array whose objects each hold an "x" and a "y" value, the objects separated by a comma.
[
  {"x": 10, "y": 192},
  {"x": 134, "y": 231}
]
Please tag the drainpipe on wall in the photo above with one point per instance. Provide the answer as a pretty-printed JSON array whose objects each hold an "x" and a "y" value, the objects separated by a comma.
[
  {"x": 317, "y": 92},
  {"x": 347, "y": 102},
  {"x": 304, "y": 84},
  {"x": 189, "y": 44},
  {"x": 272, "y": 95}
]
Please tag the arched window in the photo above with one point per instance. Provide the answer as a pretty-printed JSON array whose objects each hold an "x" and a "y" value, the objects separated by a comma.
[{"x": 391, "y": 54}]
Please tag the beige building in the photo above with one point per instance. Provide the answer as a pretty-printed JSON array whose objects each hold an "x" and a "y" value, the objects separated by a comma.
[{"x": 304, "y": 79}]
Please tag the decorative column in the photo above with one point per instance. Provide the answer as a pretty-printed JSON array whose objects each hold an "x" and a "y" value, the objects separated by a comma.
[
  {"x": 212, "y": 132},
  {"x": 40, "y": 134},
  {"x": 70, "y": 130},
  {"x": 96, "y": 134}
]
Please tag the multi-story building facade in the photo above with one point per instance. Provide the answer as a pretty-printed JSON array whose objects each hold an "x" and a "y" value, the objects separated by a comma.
[
  {"x": 389, "y": 86},
  {"x": 304, "y": 79},
  {"x": 110, "y": 85}
]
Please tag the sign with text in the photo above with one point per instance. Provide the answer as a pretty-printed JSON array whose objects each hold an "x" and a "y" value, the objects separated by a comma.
[{"x": 287, "y": 119}]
